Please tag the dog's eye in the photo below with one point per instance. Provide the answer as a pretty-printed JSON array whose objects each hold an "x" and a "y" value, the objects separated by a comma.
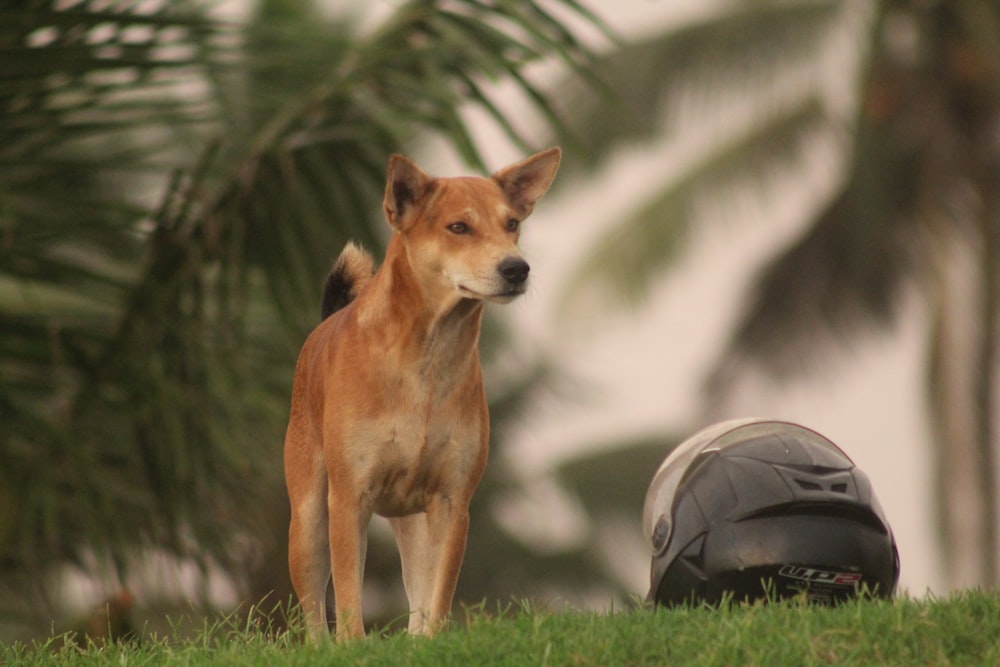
[
  {"x": 512, "y": 225},
  {"x": 458, "y": 228}
]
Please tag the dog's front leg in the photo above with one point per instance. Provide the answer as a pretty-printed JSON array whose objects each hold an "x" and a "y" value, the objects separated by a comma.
[
  {"x": 431, "y": 547},
  {"x": 448, "y": 529},
  {"x": 418, "y": 561},
  {"x": 348, "y": 546}
]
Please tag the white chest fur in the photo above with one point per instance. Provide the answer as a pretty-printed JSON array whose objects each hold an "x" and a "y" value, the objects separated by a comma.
[{"x": 404, "y": 459}]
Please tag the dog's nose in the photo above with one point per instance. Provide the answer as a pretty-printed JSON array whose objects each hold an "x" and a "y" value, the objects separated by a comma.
[{"x": 514, "y": 269}]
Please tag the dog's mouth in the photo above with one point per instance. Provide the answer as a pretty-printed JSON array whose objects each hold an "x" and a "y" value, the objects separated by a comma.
[{"x": 504, "y": 296}]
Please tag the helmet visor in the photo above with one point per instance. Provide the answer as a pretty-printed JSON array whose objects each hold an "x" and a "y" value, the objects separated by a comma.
[{"x": 670, "y": 474}]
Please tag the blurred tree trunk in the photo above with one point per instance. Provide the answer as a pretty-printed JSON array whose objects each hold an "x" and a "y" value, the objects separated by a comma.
[{"x": 953, "y": 409}]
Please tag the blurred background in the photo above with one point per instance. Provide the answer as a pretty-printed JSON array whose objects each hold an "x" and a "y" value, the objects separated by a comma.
[{"x": 781, "y": 209}]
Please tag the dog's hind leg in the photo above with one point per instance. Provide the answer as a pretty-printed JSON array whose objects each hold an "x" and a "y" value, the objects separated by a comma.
[
  {"x": 309, "y": 550},
  {"x": 348, "y": 546}
]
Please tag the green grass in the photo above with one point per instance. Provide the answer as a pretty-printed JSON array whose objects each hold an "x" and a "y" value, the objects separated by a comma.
[{"x": 963, "y": 629}]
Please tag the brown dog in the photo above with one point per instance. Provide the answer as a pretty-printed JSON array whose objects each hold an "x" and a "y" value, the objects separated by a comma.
[{"x": 388, "y": 412}]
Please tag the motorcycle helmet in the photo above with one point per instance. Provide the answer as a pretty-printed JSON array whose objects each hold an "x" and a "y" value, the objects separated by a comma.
[{"x": 755, "y": 509}]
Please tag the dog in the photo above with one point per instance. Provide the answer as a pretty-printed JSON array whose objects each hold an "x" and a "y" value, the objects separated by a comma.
[{"x": 388, "y": 413}]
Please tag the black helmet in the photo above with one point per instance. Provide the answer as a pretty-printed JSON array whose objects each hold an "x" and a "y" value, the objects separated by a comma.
[{"x": 757, "y": 508}]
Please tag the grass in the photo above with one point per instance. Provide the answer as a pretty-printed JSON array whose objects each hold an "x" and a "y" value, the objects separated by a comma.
[{"x": 963, "y": 629}]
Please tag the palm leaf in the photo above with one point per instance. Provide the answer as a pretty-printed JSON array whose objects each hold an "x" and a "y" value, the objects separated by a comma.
[
  {"x": 844, "y": 275},
  {"x": 418, "y": 69},
  {"x": 750, "y": 56},
  {"x": 701, "y": 65},
  {"x": 616, "y": 477},
  {"x": 634, "y": 251}
]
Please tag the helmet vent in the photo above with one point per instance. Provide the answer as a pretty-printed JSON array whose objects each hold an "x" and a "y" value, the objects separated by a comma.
[{"x": 808, "y": 485}]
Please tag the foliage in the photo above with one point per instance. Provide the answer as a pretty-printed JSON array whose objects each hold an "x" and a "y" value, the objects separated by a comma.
[
  {"x": 689, "y": 82},
  {"x": 962, "y": 629},
  {"x": 172, "y": 188}
]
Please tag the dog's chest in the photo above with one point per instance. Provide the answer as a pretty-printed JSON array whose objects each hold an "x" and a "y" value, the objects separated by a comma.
[{"x": 427, "y": 444}]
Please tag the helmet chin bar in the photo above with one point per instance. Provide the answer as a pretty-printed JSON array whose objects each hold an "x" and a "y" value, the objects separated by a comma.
[{"x": 757, "y": 509}]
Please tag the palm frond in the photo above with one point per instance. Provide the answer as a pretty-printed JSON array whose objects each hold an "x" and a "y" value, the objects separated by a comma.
[
  {"x": 615, "y": 478},
  {"x": 637, "y": 249},
  {"x": 706, "y": 64},
  {"x": 73, "y": 76},
  {"x": 88, "y": 98},
  {"x": 418, "y": 70},
  {"x": 843, "y": 276}
]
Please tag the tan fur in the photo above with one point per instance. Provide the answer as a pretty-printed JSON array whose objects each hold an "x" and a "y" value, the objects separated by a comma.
[{"x": 388, "y": 412}]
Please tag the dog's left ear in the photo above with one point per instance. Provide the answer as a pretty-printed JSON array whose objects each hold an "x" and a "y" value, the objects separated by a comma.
[
  {"x": 406, "y": 186},
  {"x": 526, "y": 181}
]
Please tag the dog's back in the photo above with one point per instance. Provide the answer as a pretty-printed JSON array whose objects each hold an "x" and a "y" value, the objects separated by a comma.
[{"x": 347, "y": 277}]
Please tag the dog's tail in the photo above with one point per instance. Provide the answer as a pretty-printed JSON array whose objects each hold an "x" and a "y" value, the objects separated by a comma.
[{"x": 348, "y": 276}]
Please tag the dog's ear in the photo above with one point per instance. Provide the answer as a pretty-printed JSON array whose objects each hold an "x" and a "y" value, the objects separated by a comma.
[
  {"x": 525, "y": 182},
  {"x": 406, "y": 185}
]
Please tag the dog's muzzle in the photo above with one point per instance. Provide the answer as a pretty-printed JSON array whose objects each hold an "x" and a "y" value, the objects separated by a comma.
[{"x": 509, "y": 281}]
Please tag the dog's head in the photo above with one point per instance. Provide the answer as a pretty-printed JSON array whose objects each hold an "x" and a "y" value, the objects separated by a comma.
[{"x": 461, "y": 233}]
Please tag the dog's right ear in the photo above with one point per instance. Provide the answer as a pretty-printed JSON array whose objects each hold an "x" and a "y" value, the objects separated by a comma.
[{"x": 405, "y": 187}]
